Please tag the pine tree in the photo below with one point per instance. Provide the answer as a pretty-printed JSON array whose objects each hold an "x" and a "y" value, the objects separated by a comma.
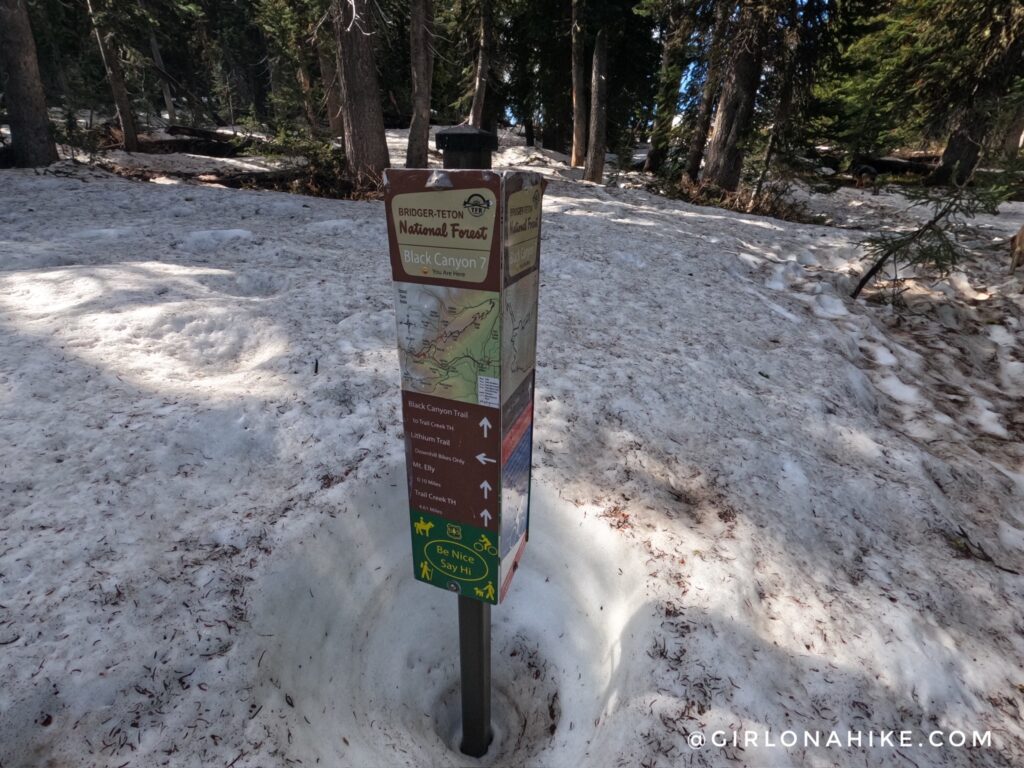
[
  {"x": 920, "y": 70},
  {"x": 31, "y": 140},
  {"x": 366, "y": 148},
  {"x": 714, "y": 55},
  {"x": 483, "y": 64},
  {"x": 990, "y": 35},
  {"x": 594, "y": 168},
  {"x": 936, "y": 246},
  {"x": 675, "y": 32},
  {"x": 579, "y": 86},
  {"x": 421, "y": 34},
  {"x": 735, "y": 111},
  {"x": 107, "y": 43}
]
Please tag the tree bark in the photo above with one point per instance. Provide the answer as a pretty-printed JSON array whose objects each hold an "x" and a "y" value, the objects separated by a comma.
[
  {"x": 305, "y": 82},
  {"x": 483, "y": 64},
  {"x": 673, "y": 56},
  {"x": 782, "y": 111},
  {"x": 165, "y": 87},
  {"x": 421, "y": 56},
  {"x": 735, "y": 111},
  {"x": 158, "y": 61},
  {"x": 1013, "y": 140},
  {"x": 594, "y": 168},
  {"x": 963, "y": 149},
  {"x": 366, "y": 148},
  {"x": 712, "y": 80},
  {"x": 329, "y": 78},
  {"x": 31, "y": 140},
  {"x": 579, "y": 87},
  {"x": 122, "y": 104}
]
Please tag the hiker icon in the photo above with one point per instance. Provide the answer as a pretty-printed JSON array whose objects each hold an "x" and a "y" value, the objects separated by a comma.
[{"x": 487, "y": 593}]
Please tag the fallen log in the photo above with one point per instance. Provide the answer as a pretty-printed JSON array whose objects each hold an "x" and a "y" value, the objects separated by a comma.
[
  {"x": 261, "y": 179},
  {"x": 205, "y": 133},
  {"x": 200, "y": 141},
  {"x": 234, "y": 179},
  {"x": 301, "y": 180},
  {"x": 190, "y": 146},
  {"x": 893, "y": 165}
]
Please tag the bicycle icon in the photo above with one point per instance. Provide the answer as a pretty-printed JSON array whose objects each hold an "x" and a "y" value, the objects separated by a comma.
[{"x": 485, "y": 545}]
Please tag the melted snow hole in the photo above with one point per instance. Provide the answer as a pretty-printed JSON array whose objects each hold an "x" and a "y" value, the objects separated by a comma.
[{"x": 356, "y": 663}]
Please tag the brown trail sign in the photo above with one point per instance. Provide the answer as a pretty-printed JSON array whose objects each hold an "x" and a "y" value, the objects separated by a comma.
[{"x": 464, "y": 249}]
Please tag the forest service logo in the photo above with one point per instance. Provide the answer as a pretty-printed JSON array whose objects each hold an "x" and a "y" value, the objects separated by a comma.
[{"x": 477, "y": 205}]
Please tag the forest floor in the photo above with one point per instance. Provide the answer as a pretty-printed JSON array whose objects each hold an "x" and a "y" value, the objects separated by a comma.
[{"x": 759, "y": 505}]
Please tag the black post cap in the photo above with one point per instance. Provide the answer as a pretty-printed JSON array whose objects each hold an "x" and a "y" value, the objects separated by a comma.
[{"x": 465, "y": 138}]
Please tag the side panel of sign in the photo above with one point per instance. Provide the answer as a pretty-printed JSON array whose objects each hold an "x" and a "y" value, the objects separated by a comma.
[{"x": 521, "y": 200}]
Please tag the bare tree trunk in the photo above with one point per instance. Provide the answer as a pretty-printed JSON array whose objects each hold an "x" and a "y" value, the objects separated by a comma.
[
  {"x": 421, "y": 55},
  {"x": 158, "y": 59},
  {"x": 329, "y": 78},
  {"x": 483, "y": 64},
  {"x": 579, "y": 87},
  {"x": 366, "y": 148},
  {"x": 594, "y": 168},
  {"x": 736, "y": 104},
  {"x": 31, "y": 141},
  {"x": 343, "y": 113},
  {"x": 161, "y": 70},
  {"x": 123, "y": 105},
  {"x": 306, "y": 89},
  {"x": 782, "y": 111},
  {"x": 963, "y": 149},
  {"x": 530, "y": 130},
  {"x": 673, "y": 56},
  {"x": 974, "y": 121},
  {"x": 712, "y": 81},
  {"x": 1013, "y": 140}
]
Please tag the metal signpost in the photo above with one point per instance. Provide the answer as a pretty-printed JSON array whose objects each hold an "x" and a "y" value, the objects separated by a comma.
[{"x": 465, "y": 247}]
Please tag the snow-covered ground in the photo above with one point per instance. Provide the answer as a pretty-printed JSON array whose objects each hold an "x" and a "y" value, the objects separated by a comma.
[{"x": 759, "y": 505}]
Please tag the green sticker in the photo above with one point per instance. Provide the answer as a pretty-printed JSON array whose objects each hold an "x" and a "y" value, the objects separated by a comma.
[{"x": 458, "y": 557}]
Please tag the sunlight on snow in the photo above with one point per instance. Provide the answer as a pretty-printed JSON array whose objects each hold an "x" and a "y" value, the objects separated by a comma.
[{"x": 154, "y": 324}]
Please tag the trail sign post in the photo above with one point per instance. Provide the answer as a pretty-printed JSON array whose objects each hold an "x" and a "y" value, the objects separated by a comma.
[{"x": 464, "y": 248}]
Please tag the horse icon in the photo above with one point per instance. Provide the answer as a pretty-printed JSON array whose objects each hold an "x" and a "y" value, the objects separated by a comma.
[{"x": 422, "y": 527}]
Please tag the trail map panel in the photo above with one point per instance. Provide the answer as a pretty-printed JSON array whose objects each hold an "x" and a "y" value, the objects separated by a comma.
[{"x": 449, "y": 342}]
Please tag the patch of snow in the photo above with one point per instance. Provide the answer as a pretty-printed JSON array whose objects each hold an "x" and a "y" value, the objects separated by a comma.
[
  {"x": 205, "y": 559},
  {"x": 882, "y": 355},
  {"x": 211, "y": 239},
  {"x": 897, "y": 390},
  {"x": 829, "y": 307},
  {"x": 986, "y": 419}
]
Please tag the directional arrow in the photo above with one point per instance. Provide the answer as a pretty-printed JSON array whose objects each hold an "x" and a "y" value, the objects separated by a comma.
[
  {"x": 485, "y": 487},
  {"x": 486, "y": 517},
  {"x": 485, "y": 459},
  {"x": 486, "y": 424}
]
